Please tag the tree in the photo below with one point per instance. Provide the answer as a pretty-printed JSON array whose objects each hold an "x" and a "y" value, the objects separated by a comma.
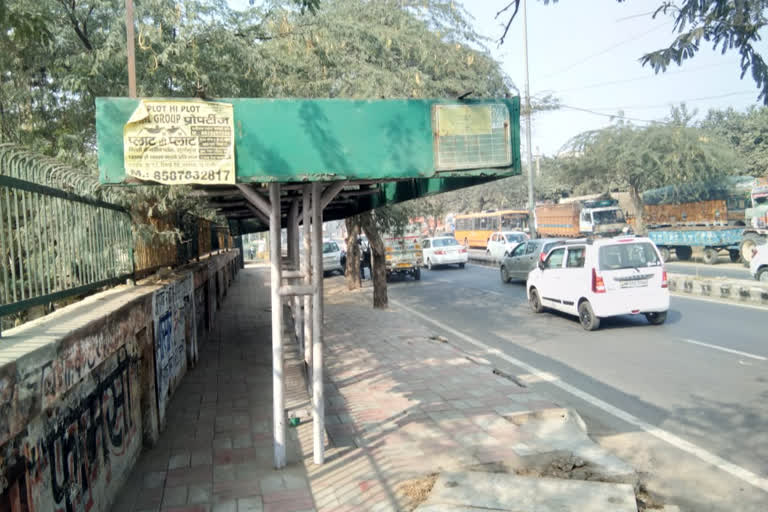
[
  {"x": 382, "y": 49},
  {"x": 725, "y": 24},
  {"x": 746, "y": 132},
  {"x": 352, "y": 266},
  {"x": 637, "y": 159}
]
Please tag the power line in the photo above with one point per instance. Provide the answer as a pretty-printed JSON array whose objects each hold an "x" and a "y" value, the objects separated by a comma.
[
  {"x": 674, "y": 102},
  {"x": 613, "y": 116},
  {"x": 640, "y": 78},
  {"x": 606, "y": 50}
]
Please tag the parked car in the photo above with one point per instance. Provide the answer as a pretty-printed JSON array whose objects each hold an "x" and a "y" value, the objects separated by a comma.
[
  {"x": 443, "y": 251},
  {"x": 758, "y": 266},
  {"x": 503, "y": 242},
  {"x": 524, "y": 258},
  {"x": 332, "y": 257},
  {"x": 607, "y": 277}
]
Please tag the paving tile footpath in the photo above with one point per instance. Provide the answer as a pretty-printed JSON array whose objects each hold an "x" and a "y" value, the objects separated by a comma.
[{"x": 401, "y": 404}]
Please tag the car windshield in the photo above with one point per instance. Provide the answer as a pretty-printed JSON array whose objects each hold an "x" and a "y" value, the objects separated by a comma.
[
  {"x": 513, "y": 239},
  {"x": 330, "y": 247},
  {"x": 633, "y": 255},
  {"x": 608, "y": 217},
  {"x": 444, "y": 242}
]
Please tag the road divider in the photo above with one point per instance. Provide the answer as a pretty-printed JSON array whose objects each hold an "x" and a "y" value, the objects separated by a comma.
[{"x": 720, "y": 289}]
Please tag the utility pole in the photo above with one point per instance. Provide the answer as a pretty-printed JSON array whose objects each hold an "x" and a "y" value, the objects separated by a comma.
[
  {"x": 538, "y": 162},
  {"x": 531, "y": 200},
  {"x": 131, "y": 51}
]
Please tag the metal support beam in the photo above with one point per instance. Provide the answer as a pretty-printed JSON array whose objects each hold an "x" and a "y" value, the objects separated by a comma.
[
  {"x": 296, "y": 289},
  {"x": 306, "y": 267},
  {"x": 318, "y": 396},
  {"x": 331, "y": 192},
  {"x": 278, "y": 374},
  {"x": 258, "y": 200},
  {"x": 292, "y": 227},
  {"x": 263, "y": 218}
]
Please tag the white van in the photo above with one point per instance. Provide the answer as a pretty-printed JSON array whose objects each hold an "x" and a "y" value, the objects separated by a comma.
[{"x": 601, "y": 278}]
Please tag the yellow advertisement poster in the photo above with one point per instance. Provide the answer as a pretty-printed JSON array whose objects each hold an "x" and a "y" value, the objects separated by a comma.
[
  {"x": 180, "y": 142},
  {"x": 463, "y": 120}
]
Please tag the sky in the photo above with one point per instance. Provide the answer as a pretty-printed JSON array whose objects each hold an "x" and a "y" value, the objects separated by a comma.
[{"x": 586, "y": 53}]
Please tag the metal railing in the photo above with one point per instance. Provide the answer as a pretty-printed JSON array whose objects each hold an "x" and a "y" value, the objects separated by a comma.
[{"x": 57, "y": 238}]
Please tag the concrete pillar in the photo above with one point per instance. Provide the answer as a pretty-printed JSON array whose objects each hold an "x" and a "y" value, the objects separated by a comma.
[
  {"x": 318, "y": 396},
  {"x": 278, "y": 373}
]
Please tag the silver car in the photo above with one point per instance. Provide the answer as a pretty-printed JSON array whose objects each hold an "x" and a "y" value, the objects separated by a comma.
[{"x": 524, "y": 258}]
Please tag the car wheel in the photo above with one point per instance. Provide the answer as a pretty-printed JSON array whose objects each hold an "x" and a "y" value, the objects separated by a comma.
[
  {"x": 429, "y": 264},
  {"x": 461, "y": 265},
  {"x": 664, "y": 254},
  {"x": 587, "y": 317},
  {"x": 534, "y": 301},
  {"x": 504, "y": 276},
  {"x": 762, "y": 275},
  {"x": 656, "y": 318},
  {"x": 735, "y": 255}
]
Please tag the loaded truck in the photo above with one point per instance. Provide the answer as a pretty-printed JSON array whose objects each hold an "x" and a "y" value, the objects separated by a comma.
[
  {"x": 403, "y": 256},
  {"x": 756, "y": 231},
  {"x": 591, "y": 218},
  {"x": 713, "y": 222}
]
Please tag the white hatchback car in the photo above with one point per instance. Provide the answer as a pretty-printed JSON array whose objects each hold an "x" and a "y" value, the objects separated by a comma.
[
  {"x": 601, "y": 278},
  {"x": 444, "y": 250},
  {"x": 502, "y": 243},
  {"x": 332, "y": 257}
]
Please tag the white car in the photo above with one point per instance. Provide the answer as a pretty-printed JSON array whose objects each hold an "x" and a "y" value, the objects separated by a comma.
[
  {"x": 332, "y": 257},
  {"x": 758, "y": 266},
  {"x": 443, "y": 250},
  {"x": 608, "y": 277},
  {"x": 502, "y": 243}
]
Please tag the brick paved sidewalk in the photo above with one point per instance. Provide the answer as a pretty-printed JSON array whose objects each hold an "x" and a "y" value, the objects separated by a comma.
[
  {"x": 216, "y": 454},
  {"x": 401, "y": 405}
]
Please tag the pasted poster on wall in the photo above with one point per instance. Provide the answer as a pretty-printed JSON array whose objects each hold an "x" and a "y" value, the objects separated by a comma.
[{"x": 173, "y": 310}]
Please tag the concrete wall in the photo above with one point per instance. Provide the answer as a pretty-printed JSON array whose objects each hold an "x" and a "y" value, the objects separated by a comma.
[{"x": 79, "y": 388}]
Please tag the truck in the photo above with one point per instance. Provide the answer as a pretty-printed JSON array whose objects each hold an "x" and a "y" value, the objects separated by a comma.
[
  {"x": 709, "y": 216},
  {"x": 756, "y": 230},
  {"x": 601, "y": 217},
  {"x": 403, "y": 256}
]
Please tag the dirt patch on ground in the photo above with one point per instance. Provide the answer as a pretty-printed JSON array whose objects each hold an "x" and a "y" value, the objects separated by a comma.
[{"x": 416, "y": 491}]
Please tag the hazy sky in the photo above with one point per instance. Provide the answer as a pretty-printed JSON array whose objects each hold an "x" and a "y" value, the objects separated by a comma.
[{"x": 586, "y": 53}]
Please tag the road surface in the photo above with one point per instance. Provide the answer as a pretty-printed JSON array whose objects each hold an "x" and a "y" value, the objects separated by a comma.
[{"x": 686, "y": 402}]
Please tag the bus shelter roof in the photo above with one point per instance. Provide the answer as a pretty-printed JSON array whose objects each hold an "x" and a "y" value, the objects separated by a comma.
[{"x": 373, "y": 152}]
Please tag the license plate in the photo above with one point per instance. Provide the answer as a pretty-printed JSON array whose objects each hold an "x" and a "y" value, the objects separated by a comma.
[
  {"x": 639, "y": 283},
  {"x": 403, "y": 265}
]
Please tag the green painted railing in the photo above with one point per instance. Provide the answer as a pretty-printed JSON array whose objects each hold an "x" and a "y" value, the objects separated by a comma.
[{"x": 57, "y": 236}]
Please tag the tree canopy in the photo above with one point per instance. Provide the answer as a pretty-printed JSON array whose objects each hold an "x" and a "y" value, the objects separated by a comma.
[
  {"x": 746, "y": 132},
  {"x": 725, "y": 24}
]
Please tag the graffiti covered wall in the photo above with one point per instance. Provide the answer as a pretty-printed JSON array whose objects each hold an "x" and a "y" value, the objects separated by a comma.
[{"x": 173, "y": 310}]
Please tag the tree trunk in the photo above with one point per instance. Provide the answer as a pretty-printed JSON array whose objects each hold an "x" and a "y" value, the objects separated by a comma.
[
  {"x": 378, "y": 261},
  {"x": 637, "y": 204},
  {"x": 352, "y": 270}
]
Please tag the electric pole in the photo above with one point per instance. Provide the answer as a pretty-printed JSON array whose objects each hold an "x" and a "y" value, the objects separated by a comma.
[{"x": 531, "y": 200}]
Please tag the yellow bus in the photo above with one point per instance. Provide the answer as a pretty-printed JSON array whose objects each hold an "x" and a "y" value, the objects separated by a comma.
[{"x": 474, "y": 229}]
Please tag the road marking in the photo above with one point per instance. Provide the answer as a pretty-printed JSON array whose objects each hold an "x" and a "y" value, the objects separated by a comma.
[
  {"x": 678, "y": 442},
  {"x": 724, "y": 349},
  {"x": 722, "y": 303}
]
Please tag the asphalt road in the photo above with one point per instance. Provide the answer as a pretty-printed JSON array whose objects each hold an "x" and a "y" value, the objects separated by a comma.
[{"x": 686, "y": 402}]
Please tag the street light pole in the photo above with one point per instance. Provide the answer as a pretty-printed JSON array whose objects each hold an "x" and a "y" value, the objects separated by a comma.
[
  {"x": 531, "y": 199},
  {"x": 131, "y": 51}
]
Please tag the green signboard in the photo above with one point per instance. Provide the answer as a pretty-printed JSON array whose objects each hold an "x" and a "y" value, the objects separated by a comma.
[{"x": 291, "y": 140}]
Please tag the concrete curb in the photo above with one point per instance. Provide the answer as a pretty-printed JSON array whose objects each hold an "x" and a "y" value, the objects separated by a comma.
[{"x": 728, "y": 291}]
